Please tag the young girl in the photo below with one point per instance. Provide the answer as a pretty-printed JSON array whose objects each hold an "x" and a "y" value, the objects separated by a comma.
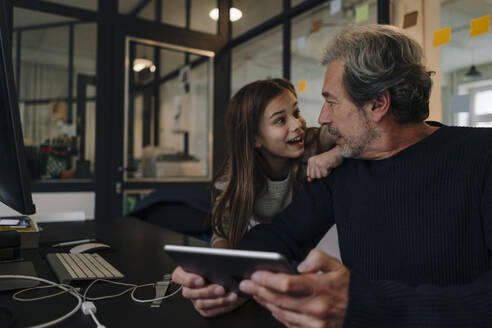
[
  {"x": 268, "y": 143},
  {"x": 268, "y": 148}
]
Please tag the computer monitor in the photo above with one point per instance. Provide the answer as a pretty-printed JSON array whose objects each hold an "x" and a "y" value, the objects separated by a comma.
[{"x": 15, "y": 184}]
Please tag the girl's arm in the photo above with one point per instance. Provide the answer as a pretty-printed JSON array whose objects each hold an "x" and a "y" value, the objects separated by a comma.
[
  {"x": 222, "y": 243},
  {"x": 320, "y": 166},
  {"x": 218, "y": 241}
]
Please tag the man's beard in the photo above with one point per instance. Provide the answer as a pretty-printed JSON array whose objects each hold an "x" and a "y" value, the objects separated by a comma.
[{"x": 355, "y": 145}]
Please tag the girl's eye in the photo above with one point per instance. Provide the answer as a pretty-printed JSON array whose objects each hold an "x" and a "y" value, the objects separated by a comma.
[
  {"x": 297, "y": 113},
  {"x": 280, "y": 120}
]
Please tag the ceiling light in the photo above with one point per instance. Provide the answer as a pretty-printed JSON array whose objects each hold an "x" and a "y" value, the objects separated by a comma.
[
  {"x": 139, "y": 64},
  {"x": 234, "y": 14},
  {"x": 214, "y": 14},
  {"x": 473, "y": 72}
]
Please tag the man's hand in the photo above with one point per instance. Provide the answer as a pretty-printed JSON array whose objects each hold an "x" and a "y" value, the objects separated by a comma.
[
  {"x": 319, "y": 166},
  {"x": 310, "y": 299},
  {"x": 208, "y": 300}
]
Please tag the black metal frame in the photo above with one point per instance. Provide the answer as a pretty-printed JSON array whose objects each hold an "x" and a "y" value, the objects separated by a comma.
[
  {"x": 383, "y": 11},
  {"x": 18, "y": 60},
  {"x": 286, "y": 36},
  {"x": 71, "y": 36},
  {"x": 108, "y": 120},
  {"x": 57, "y": 9},
  {"x": 155, "y": 82},
  {"x": 112, "y": 30}
]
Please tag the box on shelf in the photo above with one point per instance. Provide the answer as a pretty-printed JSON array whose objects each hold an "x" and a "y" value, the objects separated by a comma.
[{"x": 28, "y": 229}]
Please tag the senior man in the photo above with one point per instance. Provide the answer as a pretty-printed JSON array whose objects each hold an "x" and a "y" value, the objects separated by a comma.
[{"x": 412, "y": 203}]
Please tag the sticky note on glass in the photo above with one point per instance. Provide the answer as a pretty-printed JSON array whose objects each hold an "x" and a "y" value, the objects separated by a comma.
[
  {"x": 442, "y": 36},
  {"x": 410, "y": 19},
  {"x": 361, "y": 13},
  {"x": 301, "y": 43},
  {"x": 479, "y": 25},
  {"x": 301, "y": 86},
  {"x": 335, "y": 6},
  {"x": 317, "y": 25}
]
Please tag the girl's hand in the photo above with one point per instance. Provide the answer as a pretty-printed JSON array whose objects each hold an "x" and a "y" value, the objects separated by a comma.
[
  {"x": 208, "y": 299},
  {"x": 320, "y": 166}
]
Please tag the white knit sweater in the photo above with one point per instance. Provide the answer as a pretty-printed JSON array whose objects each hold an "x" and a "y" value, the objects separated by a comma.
[{"x": 276, "y": 197}]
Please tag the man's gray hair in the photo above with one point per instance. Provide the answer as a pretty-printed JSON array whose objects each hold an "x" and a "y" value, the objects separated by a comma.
[{"x": 379, "y": 58}]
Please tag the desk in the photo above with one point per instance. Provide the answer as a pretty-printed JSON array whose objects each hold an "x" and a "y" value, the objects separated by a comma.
[{"x": 137, "y": 251}]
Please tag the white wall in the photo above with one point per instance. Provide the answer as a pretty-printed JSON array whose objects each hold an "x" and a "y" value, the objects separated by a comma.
[{"x": 59, "y": 206}]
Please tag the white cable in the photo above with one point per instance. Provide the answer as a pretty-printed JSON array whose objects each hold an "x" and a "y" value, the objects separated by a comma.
[
  {"x": 80, "y": 297},
  {"x": 85, "y": 298},
  {"x": 154, "y": 299},
  {"x": 132, "y": 289},
  {"x": 60, "y": 319},
  {"x": 108, "y": 296},
  {"x": 20, "y": 299},
  {"x": 90, "y": 308},
  {"x": 95, "y": 320}
]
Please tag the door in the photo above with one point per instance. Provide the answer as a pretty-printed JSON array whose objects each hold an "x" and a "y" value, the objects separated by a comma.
[
  {"x": 168, "y": 117},
  {"x": 162, "y": 119}
]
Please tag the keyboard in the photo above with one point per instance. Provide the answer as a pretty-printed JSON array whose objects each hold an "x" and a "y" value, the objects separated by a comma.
[{"x": 86, "y": 266}]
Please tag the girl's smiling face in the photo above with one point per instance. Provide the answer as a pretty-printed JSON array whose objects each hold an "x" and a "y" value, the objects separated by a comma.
[{"x": 281, "y": 129}]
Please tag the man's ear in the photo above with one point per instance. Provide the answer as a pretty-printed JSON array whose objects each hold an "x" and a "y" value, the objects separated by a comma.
[{"x": 379, "y": 107}]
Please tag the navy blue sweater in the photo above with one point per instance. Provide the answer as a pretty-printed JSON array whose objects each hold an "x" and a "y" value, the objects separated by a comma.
[{"x": 415, "y": 230}]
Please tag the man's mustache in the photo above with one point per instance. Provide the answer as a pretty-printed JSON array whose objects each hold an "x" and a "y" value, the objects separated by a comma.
[{"x": 333, "y": 131}]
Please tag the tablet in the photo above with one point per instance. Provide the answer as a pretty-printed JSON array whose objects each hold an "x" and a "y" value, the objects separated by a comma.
[{"x": 227, "y": 267}]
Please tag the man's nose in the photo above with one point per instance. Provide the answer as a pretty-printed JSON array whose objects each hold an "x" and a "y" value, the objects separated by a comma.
[{"x": 324, "y": 116}]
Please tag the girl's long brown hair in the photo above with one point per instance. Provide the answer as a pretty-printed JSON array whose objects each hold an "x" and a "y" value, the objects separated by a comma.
[{"x": 244, "y": 168}]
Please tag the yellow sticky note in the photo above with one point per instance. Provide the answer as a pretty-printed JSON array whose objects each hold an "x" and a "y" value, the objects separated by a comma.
[
  {"x": 362, "y": 13},
  {"x": 301, "y": 86},
  {"x": 479, "y": 25},
  {"x": 442, "y": 36}
]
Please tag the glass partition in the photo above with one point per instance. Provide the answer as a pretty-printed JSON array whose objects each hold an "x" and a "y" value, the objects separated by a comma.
[
  {"x": 55, "y": 67},
  {"x": 294, "y": 3},
  {"x": 254, "y": 13},
  {"x": 168, "y": 113},
  {"x": 311, "y": 32},
  {"x": 200, "y": 19},
  {"x": 84, "y": 4},
  {"x": 172, "y": 12},
  {"x": 148, "y": 11},
  {"x": 466, "y": 65},
  {"x": 258, "y": 58}
]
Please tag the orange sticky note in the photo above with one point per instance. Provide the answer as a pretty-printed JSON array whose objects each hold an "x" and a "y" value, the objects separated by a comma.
[
  {"x": 479, "y": 25},
  {"x": 301, "y": 86},
  {"x": 442, "y": 36},
  {"x": 317, "y": 25}
]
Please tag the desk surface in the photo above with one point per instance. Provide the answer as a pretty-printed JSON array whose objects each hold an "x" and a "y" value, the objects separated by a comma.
[{"x": 136, "y": 251}]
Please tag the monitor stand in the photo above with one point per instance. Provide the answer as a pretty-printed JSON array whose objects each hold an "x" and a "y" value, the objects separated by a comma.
[{"x": 21, "y": 268}]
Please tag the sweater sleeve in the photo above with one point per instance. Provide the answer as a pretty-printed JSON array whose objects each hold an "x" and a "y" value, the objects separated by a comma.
[
  {"x": 391, "y": 304},
  {"x": 299, "y": 227}
]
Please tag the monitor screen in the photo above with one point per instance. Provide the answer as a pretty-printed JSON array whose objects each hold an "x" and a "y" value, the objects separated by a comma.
[{"x": 15, "y": 184}]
